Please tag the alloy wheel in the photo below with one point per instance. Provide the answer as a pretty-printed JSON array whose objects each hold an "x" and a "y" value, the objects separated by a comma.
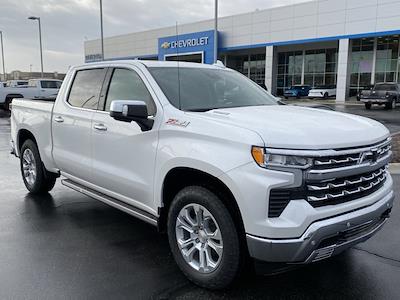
[
  {"x": 199, "y": 238},
  {"x": 29, "y": 167}
]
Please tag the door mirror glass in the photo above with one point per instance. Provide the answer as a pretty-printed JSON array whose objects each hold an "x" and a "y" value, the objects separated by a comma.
[{"x": 131, "y": 110}]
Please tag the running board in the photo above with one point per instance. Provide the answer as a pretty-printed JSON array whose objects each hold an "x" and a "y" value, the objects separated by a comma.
[{"x": 136, "y": 212}]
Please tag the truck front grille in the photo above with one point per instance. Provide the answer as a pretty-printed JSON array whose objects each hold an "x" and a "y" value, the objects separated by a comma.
[
  {"x": 334, "y": 179},
  {"x": 351, "y": 159},
  {"x": 341, "y": 190}
]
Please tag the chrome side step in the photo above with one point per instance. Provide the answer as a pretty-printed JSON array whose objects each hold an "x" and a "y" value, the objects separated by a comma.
[{"x": 136, "y": 212}]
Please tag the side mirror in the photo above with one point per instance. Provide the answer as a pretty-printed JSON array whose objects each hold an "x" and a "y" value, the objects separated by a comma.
[{"x": 131, "y": 110}]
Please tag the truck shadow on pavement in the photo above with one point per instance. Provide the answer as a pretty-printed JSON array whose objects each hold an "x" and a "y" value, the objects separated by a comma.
[{"x": 119, "y": 255}]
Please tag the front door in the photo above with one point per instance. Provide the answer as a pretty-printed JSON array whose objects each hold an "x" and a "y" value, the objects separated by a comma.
[
  {"x": 123, "y": 154},
  {"x": 72, "y": 120}
]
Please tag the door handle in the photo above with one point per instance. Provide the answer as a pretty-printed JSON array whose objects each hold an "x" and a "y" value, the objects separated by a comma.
[
  {"x": 58, "y": 119},
  {"x": 100, "y": 127}
]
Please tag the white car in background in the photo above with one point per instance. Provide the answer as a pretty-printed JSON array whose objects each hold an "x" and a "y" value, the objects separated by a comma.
[{"x": 323, "y": 91}]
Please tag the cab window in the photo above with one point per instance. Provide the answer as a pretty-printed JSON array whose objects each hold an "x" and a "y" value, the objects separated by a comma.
[
  {"x": 127, "y": 85},
  {"x": 86, "y": 87}
]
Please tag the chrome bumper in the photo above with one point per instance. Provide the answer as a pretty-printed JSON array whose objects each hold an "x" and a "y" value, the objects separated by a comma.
[
  {"x": 324, "y": 238},
  {"x": 374, "y": 100}
]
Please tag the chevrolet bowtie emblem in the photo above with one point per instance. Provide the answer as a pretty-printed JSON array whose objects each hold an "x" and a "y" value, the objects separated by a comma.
[{"x": 165, "y": 45}]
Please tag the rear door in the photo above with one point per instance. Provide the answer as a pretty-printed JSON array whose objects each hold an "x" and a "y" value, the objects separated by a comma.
[
  {"x": 71, "y": 121},
  {"x": 123, "y": 154}
]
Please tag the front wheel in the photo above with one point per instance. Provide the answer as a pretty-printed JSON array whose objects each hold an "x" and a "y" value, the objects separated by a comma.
[
  {"x": 36, "y": 178},
  {"x": 203, "y": 238},
  {"x": 368, "y": 105}
]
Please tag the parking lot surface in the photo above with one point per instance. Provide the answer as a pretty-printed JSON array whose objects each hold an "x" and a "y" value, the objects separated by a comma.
[{"x": 66, "y": 245}]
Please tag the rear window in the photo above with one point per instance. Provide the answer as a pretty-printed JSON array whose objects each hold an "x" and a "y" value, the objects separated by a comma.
[
  {"x": 86, "y": 87},
  {"x": 50, "y": 84},
  {"x": 385, "y": 87}
]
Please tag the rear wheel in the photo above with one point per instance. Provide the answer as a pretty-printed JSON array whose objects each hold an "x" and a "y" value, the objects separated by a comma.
[
  {"x": 326, "y": 95},
  {"x": 7, "y": 104},
  {"x": 36, "y": 178},
  {"x": 203, "y": 238},
  {"x": 368, "y": 105},
  {"x": 390, "y": 104}
]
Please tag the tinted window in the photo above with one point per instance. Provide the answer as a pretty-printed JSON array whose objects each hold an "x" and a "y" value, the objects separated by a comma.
[
  {"x": 50, "y": 84},
  {"x": 85, "y": 90},
  {"x": 201, "y": 89},
  {"x": 127, "y": 85},
  {"x": 385, "y": 87}
]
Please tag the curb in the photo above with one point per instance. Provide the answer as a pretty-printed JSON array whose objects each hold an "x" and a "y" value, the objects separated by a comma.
[{"x": 394, "y": 168}]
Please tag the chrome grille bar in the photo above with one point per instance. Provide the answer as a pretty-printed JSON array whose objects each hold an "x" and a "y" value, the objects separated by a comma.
[
  {"x": 344, "y": 183},
  {"x": 335, "y": 195}
]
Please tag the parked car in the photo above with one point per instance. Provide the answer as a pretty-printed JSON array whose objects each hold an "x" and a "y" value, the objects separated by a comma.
[
  {"x": 387, "y": 94},
  {"x": 213, "y": 160},
  {"x": 297, "y": 91},
  {"x": 323, "y": 91},
  {"x": 36, "y": 89}
]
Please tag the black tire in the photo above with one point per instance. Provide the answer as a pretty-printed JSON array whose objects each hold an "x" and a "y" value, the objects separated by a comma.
[
  {"x": 326, "y": 95},
  {"x": 286, "y": 97},
  {"x": 368, "y": 106},
  {"x": 44, "y": 181},
  {"x": 231, "y": 260},
  {"x": 389, "y": 105},
  {"x": 7, "y": 104}
]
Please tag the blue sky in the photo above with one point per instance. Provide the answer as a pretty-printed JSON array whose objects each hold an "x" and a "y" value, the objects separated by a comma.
[{"x": 67, "y": 23}]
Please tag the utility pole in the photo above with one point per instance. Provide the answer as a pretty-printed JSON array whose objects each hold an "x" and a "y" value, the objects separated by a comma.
[
  {"x": 2, "y": 57},
  {"x": 216, "y": 31},
  {"x": 40, "y": 42},
  {"x": 101, "y": 29}
]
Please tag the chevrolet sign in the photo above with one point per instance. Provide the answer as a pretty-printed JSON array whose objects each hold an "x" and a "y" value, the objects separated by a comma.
[{"x": 201, "y": 41}]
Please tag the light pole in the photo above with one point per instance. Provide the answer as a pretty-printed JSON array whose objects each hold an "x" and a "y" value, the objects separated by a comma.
[
  {"x": 2, "y": 56},
  {"x": 40, "y": 41},
  {"x": 101, "y": 30},
  {"x": 215, "y": 31}
]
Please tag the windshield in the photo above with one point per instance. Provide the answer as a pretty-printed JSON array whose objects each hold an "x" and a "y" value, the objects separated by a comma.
[{"x": 202, "y": 89}]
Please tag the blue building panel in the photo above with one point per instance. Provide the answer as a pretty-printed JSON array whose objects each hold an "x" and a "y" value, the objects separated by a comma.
[{"x": 197, "y": 42}]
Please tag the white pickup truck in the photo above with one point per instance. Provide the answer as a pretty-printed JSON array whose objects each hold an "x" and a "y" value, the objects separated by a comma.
[
  {"x": 36, "y": 89},
  {"x": 205, "y": 154}
]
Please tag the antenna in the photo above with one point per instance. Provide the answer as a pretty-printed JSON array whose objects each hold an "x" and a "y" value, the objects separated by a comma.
[{"x": 177, "y": 61}]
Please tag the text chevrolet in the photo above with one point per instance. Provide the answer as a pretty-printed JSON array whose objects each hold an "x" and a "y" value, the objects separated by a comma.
[{"x": 205, "y": 154}]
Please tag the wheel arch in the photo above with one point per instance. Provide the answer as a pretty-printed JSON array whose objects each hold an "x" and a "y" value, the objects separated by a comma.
[
  {"x": 24, "y": 135},
  {"x": 179, "y": 177}
]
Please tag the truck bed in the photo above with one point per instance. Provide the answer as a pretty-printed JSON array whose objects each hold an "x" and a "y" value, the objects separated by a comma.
[{"x": 34, "y": 116}]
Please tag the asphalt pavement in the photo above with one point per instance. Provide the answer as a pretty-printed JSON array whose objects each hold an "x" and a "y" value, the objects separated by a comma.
[{"x": 67, "y": 246}]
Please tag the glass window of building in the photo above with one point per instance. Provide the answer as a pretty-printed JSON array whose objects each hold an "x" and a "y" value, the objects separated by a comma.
[
  {"x": 290, "y": 65},
  {"x": 362, "y": 56},
  {"x": 387, "y": 55},
  {"x": 250, "y": 65},
  {"x": 320, "y": 67}
]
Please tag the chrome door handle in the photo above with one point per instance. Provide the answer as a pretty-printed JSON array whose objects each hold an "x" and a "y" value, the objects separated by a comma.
[
  {"x": 58, "y": 119},
  {"x": 100, "y": 127}
]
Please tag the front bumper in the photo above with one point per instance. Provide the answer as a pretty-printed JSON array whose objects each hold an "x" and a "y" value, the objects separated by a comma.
[
  {"x": 379, "y": 101},
  {"x": 324, "y": 238}
]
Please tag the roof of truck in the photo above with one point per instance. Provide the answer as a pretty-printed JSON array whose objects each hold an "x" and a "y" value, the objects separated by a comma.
[{"x": 155, "y": 63}]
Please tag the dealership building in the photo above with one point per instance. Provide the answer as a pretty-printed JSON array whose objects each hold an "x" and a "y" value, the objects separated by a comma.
[{"x": 351, "y": 44}]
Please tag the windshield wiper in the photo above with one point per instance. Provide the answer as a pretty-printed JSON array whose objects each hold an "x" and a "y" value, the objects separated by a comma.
[{"x": 200, "y": 109}]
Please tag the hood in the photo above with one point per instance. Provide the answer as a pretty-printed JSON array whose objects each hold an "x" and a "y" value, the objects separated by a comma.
[{"x": 294, "y": 127}]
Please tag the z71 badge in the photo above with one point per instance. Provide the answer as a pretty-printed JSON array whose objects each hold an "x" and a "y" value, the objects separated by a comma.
[{"x": 177, "y": 122}]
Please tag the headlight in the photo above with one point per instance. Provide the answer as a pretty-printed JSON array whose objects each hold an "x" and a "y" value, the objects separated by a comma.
[{"x": 270, "y": 160}]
